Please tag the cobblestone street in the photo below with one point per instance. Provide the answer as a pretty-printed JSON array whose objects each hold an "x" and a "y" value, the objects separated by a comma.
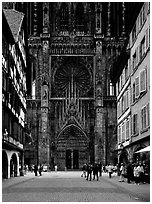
[{"x": 71, "y": 187}]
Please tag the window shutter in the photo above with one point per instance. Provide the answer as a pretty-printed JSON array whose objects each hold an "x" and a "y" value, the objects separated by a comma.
[
  {"x": 142, "y": 121},
  {"x": 131, "y": 101},
  {"x": 125, "y": 101},
  {"x": 133, "y": 93},
  {"x": 136, "y": 87},
  {"x": 147, "y": 38},
  {"x": 136, "y": 123},
  {"x": 143, "y": 80},
  {"x": 137, "y": 58},
  {"x": 148, "y": 116}
]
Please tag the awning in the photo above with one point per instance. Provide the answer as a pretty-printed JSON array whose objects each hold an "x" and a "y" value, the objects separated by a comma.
[{"x": 146, "y": 149}]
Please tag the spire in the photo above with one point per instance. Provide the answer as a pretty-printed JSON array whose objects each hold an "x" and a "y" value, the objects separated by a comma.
[
  {"x": 35, "y": 19},
  {"x": 123, "y": 19},
  {"x": 108, "y": 22},
  {"x": 46, "y": 17}
]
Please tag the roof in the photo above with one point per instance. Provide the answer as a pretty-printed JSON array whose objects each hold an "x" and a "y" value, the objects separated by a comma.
[
  {"x": 6, "y": 30},
  {"x": 14, "y": 19}
]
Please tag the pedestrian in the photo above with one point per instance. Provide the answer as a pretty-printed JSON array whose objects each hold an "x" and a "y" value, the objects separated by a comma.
[
  {"x": 110, "y": 170},
  {"x": 100, "y": 169},
  {"x": 40, "y": 170},
  {"x": 35, "y": 169},
  {"x": 95, "y": 171},
  {"x": 89, "y": 171},
  {"x": 129, "y": 172},
  {"x": 122, "y": 173},
  {"x": 56, "y": 167},
  {"x": 141, "y": 171},
  {"x": 84, "y": 168},
  {"x": 136, "y": 173},
  {"x": 104, "y": 169}
]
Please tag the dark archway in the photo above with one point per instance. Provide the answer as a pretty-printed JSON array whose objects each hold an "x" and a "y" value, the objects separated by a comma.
[
  {"x": 72, "y": 148},
  {"x": 4, "y": 165},
  {"x": 123, "y": 157},
  {"x": 13, "y": 166}
]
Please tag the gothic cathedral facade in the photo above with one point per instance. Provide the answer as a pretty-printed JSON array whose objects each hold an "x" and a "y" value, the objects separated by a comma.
[{"x": 71, "y": 105}]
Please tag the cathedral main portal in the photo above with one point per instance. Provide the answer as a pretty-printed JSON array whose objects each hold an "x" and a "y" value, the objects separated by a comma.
[
  {"x": 72, "y": 110},
  {"x": 72, "y": 148}
]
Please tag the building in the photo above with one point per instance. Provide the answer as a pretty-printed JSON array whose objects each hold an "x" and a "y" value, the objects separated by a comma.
[
  {"x": 13, "y": 92},
  {"x": 131, "y": 75},
  {"x": 71, "y": 105}
]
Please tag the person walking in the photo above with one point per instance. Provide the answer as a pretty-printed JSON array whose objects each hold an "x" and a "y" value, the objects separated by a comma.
[
  {"x": 95, "y": 171},
  {"x": 136, "y": 173},
  {"x": 56, "y": 167},
  {"x": 89, "y": 171},
  {"x": 84, "y": 168},
  {"x": 100, "y": 169},
  {"x": 35, "y": 169},
  {"x": 129, "y": 173},
  {"x": 40, "y": 170},
  {"x": 110, "y": 170},
  {"x": 122, "y": 173},
  {"x": 141, "y": 172}
]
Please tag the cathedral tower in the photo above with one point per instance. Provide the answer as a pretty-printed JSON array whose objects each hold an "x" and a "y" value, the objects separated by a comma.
[{"x": 71, "y": 100}]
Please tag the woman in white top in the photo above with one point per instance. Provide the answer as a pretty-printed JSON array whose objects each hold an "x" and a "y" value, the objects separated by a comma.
[
  {"x": 122, "y": 172},
  {"x": 136, "y": 173}
]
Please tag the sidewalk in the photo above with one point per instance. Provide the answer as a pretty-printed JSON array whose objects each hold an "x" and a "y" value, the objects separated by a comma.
[
  {"x": 139, "y": 191},
  {"x": 142, "y": 190},
  {"x": 15, "y": 180}
]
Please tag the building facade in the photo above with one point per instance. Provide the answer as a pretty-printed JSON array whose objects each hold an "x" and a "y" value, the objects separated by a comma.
[
  {"x": 133, "y": 91},
  {"x": 71, "y": 105},
  {"x": 13, "y": 92}
]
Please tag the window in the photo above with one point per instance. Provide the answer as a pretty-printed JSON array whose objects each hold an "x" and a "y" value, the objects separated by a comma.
[
  {"x": 127, "y": 98},
  {"x": 142, "y": 48},
  {"x": 144, "y": 13},
  {"x": 135, "y": 124},
  {"x": 80, "y": 17},
  {"x": 143, "y": 118},
  {"x": 134, "y": 61},
  {"x": 133, "y": 93},
  {"x": 137, "y": 87},
  {"x": 123, "y": 132},
  {"x": 124, "y": 100},
  {"x": 123, "y": 103},
  {"x": 119, "y": 134},
  {"x": 148, "y": 116},
  {"x": 147, "y": 38},
  {"x": 127, "y": 129},
  {"x": 143, "y": 80},
  {"x": 134, "y": 33},
  {"x": 64, "y": 17}
]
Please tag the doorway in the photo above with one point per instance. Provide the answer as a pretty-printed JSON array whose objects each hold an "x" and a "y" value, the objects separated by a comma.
[
  {"x": 72, "y": 159},
  {"x": 75, "y": 159},
  {"x": 68, "y": 159}
]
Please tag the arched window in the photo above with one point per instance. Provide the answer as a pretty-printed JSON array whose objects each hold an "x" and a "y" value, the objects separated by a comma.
[
  {"x": 80, "y": 17},
  {"x": 64, "y": 17}
]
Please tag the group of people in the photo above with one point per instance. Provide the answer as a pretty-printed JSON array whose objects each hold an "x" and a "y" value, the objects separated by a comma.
[
  {"x": 36, "y": 169},
  {"x": 133, "y": 172},
  {"x": 88, "y": 169}
]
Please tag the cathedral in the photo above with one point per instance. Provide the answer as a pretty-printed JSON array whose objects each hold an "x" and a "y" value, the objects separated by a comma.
[{"x": 71, "y": 102}]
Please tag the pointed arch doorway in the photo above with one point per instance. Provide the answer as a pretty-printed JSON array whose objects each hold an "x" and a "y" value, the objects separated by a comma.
[
  {"x": 72, "y": 148},
  {"x": 72, "y": 159}
]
